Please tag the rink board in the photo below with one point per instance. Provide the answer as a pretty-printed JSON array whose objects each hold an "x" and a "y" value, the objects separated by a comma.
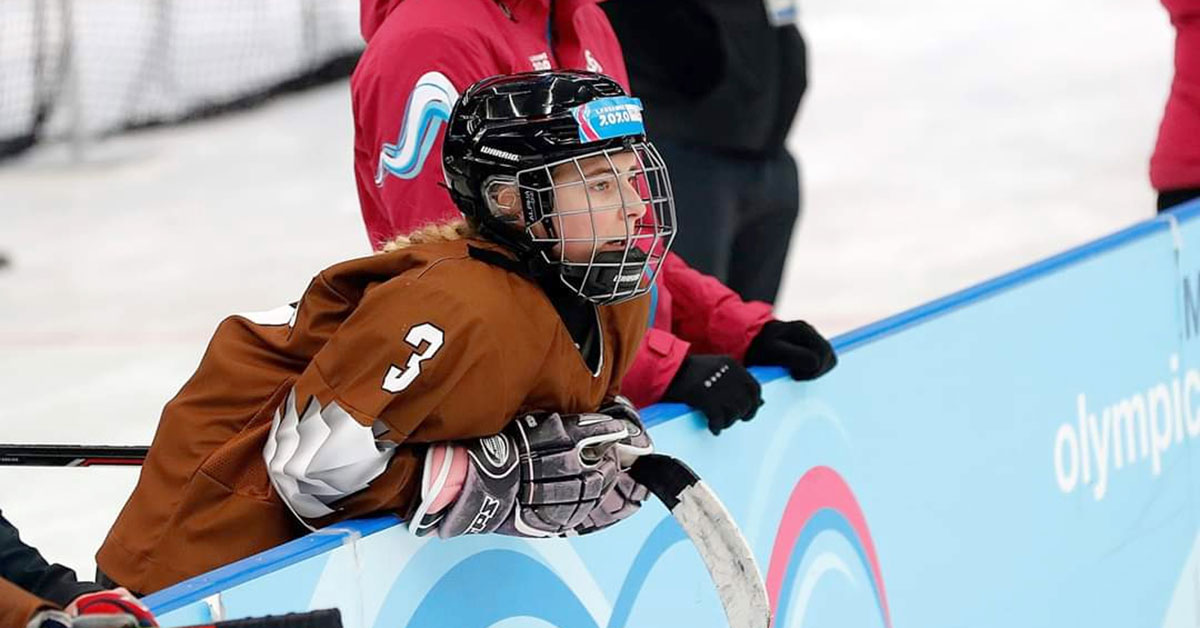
[{"x": 1020, "y": 453}]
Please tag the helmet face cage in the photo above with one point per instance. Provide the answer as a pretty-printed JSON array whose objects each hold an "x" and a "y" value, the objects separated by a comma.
[{"x": 607, "y": 223}]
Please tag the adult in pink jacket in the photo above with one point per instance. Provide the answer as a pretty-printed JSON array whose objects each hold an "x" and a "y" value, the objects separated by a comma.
[
  {"x": 420, "y": 55},
  {"x": 1175, "y": 166}
]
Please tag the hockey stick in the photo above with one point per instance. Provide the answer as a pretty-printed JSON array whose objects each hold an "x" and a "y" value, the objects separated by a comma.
[
  {"x": 70, "y": 455},
  {"x": 328, "y": 618},
  {"x": 703, "y": 517}
]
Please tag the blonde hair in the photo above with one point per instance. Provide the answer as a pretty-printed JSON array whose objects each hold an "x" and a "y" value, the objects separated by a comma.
[{"x": 432, "y": 233}]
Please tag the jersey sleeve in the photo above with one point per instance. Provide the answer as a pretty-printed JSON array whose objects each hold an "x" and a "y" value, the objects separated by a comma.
[
  {"x": 410, "y": 365},
  {"x": 402, "y": 92},
  {"x": 25, "y": 567}
]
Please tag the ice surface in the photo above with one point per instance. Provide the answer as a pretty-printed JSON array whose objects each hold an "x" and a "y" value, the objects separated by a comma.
[{"x": 942, "y": 143}]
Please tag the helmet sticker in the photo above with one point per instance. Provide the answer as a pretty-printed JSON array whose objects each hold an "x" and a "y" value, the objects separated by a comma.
[
  {"x": 428, "y": 108},
  {"x": 608, "y": 118}
]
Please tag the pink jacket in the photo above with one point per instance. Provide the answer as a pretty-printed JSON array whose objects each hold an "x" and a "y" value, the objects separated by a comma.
[
  {"x": 420, "y": 55},
  {"x": 1176, "y": 161}
]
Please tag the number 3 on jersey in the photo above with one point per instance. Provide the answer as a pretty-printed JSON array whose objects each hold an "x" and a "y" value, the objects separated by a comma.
[{"x": 397, "y": 379}]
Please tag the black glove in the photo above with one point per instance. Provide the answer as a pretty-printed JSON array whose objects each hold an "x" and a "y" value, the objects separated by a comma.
[
  {"x": 717, "y": 386},
  {"x": 795, "y": 346}
]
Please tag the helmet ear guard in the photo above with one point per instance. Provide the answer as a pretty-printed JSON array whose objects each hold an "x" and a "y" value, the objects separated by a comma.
[{"x": 502, "y": 198}]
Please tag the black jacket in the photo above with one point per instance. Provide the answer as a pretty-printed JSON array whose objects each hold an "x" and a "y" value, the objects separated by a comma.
[
  {"x": 712, "y": 73},
  {"x": 24, "y": 566}
]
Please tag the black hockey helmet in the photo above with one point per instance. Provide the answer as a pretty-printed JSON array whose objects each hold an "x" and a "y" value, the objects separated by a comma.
[{"x": 548, "y": 136}]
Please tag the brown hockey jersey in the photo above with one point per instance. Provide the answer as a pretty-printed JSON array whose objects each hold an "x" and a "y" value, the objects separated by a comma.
[{"x": 315, "y": 413}]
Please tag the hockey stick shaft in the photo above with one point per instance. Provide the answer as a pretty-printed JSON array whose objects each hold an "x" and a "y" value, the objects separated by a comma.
[
  {"x": 71, "y": 455},
  {"x": 326, "y": 618}
]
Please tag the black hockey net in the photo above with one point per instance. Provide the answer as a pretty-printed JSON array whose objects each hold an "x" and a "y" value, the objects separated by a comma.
[{"x": 83, "y": 69}]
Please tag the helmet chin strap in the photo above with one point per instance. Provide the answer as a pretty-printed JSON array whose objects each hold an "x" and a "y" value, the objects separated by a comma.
[{"x": 607, "y": 281}]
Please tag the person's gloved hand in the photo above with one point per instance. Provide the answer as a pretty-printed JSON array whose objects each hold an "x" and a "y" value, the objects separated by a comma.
[
  {"x": 541, "y": 476},
  {"x": 117, "y": 601},
  {"x": 795, "y": 346},
  {"x": 717, "y": 386},
  {"x": 626, "y": 496},
  {"x": 116, "y": 608}
]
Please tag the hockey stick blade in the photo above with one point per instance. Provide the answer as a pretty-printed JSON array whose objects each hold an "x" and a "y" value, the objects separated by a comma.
[{"x": 725, "y": 552}]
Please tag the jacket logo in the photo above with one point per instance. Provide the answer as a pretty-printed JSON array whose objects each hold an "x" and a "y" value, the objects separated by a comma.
[
  {"x": 428, "y": 108},
  {"x": 592, "y": 64},
  {"x": 540, "y": 61}
]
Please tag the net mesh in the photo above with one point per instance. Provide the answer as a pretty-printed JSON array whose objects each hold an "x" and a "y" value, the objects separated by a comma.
[{"x": 90, "y": 68}]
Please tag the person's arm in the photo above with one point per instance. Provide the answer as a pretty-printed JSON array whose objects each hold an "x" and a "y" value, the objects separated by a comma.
[
  {"x": 29, "y": 585},
  {"x": 401, "y": 94},
  {"x": 657, "y": 360},
  {"x": 412, "y": 364},
  {"x": 717, "y": 321},
  {"x": 713, "y": 318},
  {"x": 24, "y": 567}
]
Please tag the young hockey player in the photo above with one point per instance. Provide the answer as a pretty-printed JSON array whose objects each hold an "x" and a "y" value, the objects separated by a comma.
[
  {"x": 422, "y": 53},
  {"x": 531, "y": 307}
]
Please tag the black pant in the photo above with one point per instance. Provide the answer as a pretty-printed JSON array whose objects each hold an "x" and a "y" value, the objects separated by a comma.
[
  {"x": 1167, "y": 198},
  {"x": 736, "y": 214}
]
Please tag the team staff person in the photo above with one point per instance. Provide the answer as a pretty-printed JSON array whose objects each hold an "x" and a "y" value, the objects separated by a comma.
[{"x": 1175, "y": 165}]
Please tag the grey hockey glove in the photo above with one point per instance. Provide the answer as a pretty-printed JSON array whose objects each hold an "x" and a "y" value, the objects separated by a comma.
[
  {"x": 544, "y": 475},
  {"x": 626, "y": 496}
]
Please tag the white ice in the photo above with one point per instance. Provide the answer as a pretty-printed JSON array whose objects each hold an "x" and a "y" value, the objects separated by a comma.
[{"x": 943, "y": 142}]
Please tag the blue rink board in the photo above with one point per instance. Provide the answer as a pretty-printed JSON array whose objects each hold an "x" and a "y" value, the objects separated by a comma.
[{"x": 1018, "y": 453}]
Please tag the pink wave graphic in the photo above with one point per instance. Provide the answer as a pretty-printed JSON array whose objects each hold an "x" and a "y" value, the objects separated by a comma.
[{"x": 820, "y": 488}]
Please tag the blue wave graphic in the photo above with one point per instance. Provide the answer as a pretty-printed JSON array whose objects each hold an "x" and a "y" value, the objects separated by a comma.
[
  {"x": 660, "y": 539},
  {"x": 511, "y": 584}
]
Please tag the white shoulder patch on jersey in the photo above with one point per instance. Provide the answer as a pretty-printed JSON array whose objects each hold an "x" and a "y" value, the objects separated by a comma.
[
  {"x": 428, "y": 108},
  {"x": 319, "y": 456},
  {"x": 282, "y": 315}
]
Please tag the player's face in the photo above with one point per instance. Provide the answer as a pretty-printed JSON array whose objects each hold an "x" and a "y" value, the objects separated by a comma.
[{"x": 597, "y": 203}]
